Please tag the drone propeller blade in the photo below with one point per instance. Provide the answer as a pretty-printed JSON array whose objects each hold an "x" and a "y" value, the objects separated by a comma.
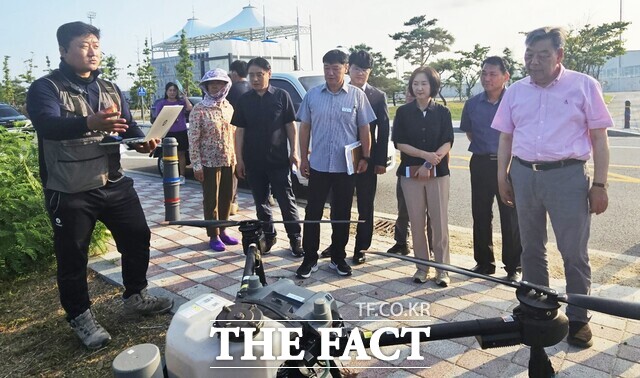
[
  {"x": 316, "y": 221},
  {"x": 204, "y": 223},
  {"x": 615, "y": 307},
  {"x": 449, "y": 268},
  {"x": 609, "y": 306}
]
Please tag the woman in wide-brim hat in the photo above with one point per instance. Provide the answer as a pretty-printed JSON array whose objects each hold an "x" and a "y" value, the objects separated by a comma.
[{"x": 211, "y": 141}]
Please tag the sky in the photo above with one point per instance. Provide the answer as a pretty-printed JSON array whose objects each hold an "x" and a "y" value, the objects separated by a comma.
[{"x": 28, "y": 27}]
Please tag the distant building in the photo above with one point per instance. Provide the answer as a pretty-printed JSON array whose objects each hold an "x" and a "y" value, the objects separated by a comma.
[
  {"x": 221, "y": 53},
  {"x": 247, "y": 35},
  {"x": 622, "y": 74}
]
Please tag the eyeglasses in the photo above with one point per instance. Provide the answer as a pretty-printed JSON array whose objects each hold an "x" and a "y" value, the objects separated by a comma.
[{"x": 359, "y": 70}]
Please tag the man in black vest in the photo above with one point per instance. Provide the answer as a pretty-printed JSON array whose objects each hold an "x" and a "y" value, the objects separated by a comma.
[{"x": 72, "y": 110}]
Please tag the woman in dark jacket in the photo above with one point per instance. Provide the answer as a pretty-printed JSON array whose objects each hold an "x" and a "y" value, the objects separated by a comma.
[{"x": 423, "y": 132}]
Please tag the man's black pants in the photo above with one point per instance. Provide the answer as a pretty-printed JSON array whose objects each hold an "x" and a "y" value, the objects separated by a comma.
[
  {"x": 280, "y": 182},
  {"x": 74, "y": 216},
  {"x": 366, "y": 184},
  {"x": 484, "y": 188},
  {"x": 342, "y": 186}
]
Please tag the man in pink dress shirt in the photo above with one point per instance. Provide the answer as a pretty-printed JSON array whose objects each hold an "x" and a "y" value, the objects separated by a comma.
[{"x": 550, "y": 123}]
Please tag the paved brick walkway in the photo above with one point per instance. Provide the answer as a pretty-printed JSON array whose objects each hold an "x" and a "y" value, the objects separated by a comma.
[{"x": 182, "y": 265}]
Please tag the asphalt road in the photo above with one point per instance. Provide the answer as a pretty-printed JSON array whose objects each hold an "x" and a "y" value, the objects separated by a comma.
[{"x": 617, "y": 230}]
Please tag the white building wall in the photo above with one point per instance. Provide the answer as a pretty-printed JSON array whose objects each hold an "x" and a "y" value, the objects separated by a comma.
[{"x": 622, "y": 74}]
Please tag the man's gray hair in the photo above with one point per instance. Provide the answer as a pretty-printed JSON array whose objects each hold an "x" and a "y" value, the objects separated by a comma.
[{"x": 557, "y": 35}]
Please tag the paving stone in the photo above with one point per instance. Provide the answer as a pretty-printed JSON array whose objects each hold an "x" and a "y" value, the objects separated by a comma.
[
  {"x": 629, "y": 352},
  {"x": 572, "y": 369}
]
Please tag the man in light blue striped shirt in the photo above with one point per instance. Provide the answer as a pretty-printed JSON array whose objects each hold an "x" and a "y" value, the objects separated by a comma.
[{"x": 332, "y": 116}]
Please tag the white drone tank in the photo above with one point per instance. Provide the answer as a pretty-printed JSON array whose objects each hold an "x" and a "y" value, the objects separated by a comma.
[{"x": 191, "y": 353}]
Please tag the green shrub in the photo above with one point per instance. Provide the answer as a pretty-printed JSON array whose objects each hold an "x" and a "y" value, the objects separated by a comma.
[{"x": 26, "y": 238}]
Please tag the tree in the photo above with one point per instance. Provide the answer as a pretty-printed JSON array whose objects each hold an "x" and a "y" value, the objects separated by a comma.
[
  {"x": 7, "y": 89},
  {"x": 48, "y": 63},
  {"x": 470, "y": 66},
  {"x": 109, "y": 69},
  {"x": 27, "y": 77},
  {"x": 588, "y": 49},
  {"x": 422, "y": 41},
  {"x": 184, "y": 71},
  {"x": 449, "y": 77},
  {"x": 144, "y": 77},
  {"x": 515, "y": 68}
]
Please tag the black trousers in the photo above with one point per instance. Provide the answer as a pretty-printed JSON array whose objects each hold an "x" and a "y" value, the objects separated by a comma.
[
  {"x": 365, "y": 194},
  {"x": 366, "y": 183},
  {"x": 320, "y": 183},
  {"x": 74, "y": 217},
  {"x": 280, "y": 182},
  {"x": 484, "y": 188}
]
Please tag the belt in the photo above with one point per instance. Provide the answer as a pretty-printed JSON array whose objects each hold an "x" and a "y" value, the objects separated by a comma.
[
  {"x": 549, "y": 165},
  {"x": 487, "y": 156}
]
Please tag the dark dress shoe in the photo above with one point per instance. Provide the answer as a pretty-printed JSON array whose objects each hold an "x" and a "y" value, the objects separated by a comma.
[
  {"x": 326, "y": 253},
  {"x": 398, "y": 248},
  {"x": 484, "y": 269},
  {"x": 296, "y": 248},
  {"x": 359, "y": 258},
  {"x": 580, "y": 335},
  {"x": 514, "y": 276},
  {"x": 269, "y": 243}
]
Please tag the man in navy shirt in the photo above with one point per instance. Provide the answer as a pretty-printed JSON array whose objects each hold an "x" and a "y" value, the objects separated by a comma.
[
  {"x": 264, "y": 118},
  {"x": 477, "y": 115}
]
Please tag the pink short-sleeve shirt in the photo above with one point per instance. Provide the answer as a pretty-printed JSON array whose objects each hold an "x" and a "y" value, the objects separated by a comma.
[{"x": 553, "y": 123}]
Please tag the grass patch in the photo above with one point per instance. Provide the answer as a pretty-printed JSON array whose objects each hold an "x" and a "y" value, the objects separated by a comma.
[
  {"x": 36, "y": 340},
  {"x": 608, "y": 98}
]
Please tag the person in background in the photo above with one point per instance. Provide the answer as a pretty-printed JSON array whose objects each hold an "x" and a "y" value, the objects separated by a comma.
[
  {"x": 477, "y": 115},
  {"x": 401, "y": 226},
  {"x": 211, "y": 138},
  {"x": 423, "y": 132},
  {"x": 360, "y": 64},
  {"x": 333, "y": 115},
  {"x": 265, "y": 122},
  {"x": 72, "y": 109},
  {"x": 550, "y": 123},
  {"x": 179, "y": 128},
  {"x": 239, "y": 86}
]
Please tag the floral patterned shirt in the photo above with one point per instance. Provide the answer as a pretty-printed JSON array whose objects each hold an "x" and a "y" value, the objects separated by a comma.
[{"x": 211, "y": 136}]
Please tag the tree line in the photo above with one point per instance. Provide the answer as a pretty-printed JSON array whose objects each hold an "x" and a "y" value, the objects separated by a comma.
[{"x": 586, "y": 50}]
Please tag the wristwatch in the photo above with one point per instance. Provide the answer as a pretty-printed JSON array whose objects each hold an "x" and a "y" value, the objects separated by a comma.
[
  {"x": 366, "y": 158},
  {"x": 427, "y": 165},
  {"x": 600, "y": 185}
]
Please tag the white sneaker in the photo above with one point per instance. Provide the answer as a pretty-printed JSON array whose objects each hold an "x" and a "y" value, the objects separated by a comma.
[
  {"x": 183, "y": 180},
  {"x": 92, "y": 335},
  {"x": 421, "y": 276},
  {"x": 442, "y": 279}
]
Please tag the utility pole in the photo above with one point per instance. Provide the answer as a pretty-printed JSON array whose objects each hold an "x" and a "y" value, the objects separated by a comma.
[{"x": 91, "y": 15}]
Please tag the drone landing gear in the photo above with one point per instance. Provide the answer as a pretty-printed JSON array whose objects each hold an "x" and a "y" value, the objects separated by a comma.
[
  {"x": 539, "y": 363},
  {"x": 253, "y": 243}
]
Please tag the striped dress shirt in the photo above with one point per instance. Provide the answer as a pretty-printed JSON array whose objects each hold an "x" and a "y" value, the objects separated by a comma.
[{"x": 334, "y": 119}]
